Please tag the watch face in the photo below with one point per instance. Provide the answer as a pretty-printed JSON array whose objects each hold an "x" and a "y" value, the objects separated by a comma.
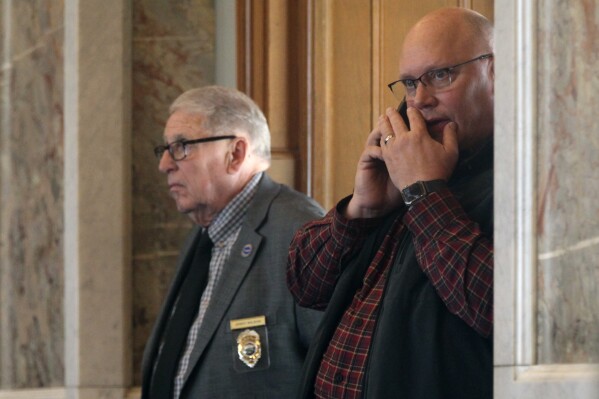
[{"x": 413, "y": 192}]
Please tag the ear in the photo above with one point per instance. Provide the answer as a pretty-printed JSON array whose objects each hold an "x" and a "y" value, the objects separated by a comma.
[{"x": 237, "y": 154}]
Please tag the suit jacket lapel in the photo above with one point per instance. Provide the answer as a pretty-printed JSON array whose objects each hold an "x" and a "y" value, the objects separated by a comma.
[{"x": 236, "y": 267}]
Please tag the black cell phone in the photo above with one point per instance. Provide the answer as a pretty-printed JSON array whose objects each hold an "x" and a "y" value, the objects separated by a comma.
[{"x": 403, "y": 111}]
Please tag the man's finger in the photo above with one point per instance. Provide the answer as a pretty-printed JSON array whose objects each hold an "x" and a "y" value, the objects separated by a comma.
[{"x": 450, "y": 138}]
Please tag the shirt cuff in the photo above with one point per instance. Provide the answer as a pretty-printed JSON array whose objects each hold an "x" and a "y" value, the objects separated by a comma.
[
  {"x": 433, "y": 213},
  {"x": 348, "y": 232}
]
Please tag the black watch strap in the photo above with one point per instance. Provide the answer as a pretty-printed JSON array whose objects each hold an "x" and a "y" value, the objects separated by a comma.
[{"x": 421, "y": 189}]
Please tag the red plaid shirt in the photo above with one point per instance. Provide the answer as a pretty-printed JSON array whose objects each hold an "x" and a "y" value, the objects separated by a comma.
[{"x": 450, "y": 248}]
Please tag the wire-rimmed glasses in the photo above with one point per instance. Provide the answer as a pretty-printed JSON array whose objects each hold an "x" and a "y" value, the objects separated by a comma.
[{"x": 438, "y": 79}]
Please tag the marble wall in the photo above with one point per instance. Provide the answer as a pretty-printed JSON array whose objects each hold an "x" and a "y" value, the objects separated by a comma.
[
  {"x": 173, "y": 50},
  {"x": 31, "y": 196},
  {"x": 567, "y": 182}
]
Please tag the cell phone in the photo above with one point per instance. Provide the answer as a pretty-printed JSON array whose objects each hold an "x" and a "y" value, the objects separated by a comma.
[{"x": 403, "y": 111}]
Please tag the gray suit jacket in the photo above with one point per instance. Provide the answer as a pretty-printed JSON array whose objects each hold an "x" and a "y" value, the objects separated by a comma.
[{"x": 252, "y": 284}]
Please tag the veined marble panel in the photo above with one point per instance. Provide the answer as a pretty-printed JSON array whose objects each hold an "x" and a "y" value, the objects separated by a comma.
[
  {"x": 173, "y": 50},
  {"x": 568, "y": 182},
  {"x": 32, "y": 21},
  {"x": 183, "y": 18},
  {"x": 31, "y": 229}
]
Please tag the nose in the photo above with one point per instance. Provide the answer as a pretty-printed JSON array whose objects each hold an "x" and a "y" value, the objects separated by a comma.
[
  {"x": 422, "y": 97},
  {"x": 166, "y": 164}
]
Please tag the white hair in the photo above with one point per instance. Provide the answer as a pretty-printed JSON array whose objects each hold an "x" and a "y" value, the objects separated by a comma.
[{"x": 227, "y": 111}]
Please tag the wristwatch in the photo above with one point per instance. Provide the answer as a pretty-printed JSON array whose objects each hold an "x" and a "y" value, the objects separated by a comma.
[{"x": 421, "y": 189}]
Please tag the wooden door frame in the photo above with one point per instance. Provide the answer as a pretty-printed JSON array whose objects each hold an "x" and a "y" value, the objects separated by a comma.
[{"x": 259, "y": 24}]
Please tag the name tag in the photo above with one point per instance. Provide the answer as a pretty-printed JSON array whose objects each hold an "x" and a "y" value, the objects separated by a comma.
[{"x": 248, "y": 322}]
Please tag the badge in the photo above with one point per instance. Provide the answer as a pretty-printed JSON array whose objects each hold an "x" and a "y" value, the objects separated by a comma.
[
  {"x": 249, "y": 348},
  {"x": 249, "y": 344}
]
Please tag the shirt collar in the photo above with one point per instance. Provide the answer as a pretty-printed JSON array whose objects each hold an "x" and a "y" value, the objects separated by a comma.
[{"x": 229, "y": 220}]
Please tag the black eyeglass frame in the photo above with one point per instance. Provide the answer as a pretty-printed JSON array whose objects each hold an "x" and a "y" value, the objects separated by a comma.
[
  {"x": 160, "y": 149},
  {"x": 448, "y": 69}
]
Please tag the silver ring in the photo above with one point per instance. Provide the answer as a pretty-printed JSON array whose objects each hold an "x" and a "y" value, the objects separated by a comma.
[{"x": 389, "y": 137}]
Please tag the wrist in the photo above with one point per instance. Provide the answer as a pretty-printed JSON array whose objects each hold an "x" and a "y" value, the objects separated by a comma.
[{"x": 355, "y": 210}]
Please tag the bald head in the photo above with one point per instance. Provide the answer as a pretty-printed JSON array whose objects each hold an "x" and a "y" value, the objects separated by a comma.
[
  {"x": 460, "y": 31},
  {"x": 450, "y": 18}
]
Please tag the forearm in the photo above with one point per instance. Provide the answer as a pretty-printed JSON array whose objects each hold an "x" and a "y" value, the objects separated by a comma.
[
  {"x": 456, "y": 256},
  {"x": 317, "y": 253}
]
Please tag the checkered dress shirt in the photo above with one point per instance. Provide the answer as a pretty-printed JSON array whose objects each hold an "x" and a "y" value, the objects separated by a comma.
[
  {"x": 223, "y": 232},
  {"x": 450, "y": 248}
]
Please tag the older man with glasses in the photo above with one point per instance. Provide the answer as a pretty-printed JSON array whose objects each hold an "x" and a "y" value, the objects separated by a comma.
[
  {"x": 229, "y": 327},
  {"x": 404, "y": 266}
]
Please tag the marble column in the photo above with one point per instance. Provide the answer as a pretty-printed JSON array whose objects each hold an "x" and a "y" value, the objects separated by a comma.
[
  {"x": 568, "y": 183},
  {"x": 97, "y": 206},
  {"x": 547, "y": 213},
  {"x": 31, "y": 195}
]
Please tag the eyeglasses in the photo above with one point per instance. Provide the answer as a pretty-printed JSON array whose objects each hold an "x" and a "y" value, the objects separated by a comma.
[
  {"x": 438, "y": 79},
  {"x": 178, "y": 149}
]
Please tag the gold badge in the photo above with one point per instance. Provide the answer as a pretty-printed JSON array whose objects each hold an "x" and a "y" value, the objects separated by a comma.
[{"x": 249, "y": 348}]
